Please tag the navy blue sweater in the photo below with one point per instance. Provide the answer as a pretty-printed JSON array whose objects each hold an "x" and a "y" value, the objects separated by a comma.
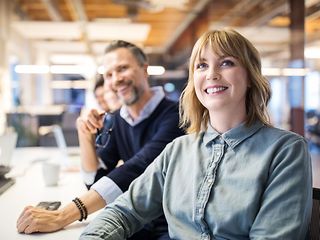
[{"x": 138, "y": 145}]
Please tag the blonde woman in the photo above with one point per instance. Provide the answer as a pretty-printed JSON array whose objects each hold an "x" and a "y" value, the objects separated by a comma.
[{"x": 234, "y": 176}]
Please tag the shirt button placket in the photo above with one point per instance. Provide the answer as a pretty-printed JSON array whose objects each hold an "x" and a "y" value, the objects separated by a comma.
[
  {"x": 205, "y": 236},
  {"x": 200, "y": 211}
]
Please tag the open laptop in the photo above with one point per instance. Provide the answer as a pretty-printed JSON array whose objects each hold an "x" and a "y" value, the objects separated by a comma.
[{"x": 8, "y": 143}]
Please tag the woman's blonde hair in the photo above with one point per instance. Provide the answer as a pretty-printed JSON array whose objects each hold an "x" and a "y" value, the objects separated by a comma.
[{"x": 193, "y": 115}]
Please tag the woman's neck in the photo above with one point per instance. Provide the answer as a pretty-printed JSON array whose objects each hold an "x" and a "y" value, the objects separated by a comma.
[{"x": 223, "y": 122}]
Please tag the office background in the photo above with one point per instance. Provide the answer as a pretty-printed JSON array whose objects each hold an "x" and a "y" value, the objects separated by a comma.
[{"x": 51, "y": 50}]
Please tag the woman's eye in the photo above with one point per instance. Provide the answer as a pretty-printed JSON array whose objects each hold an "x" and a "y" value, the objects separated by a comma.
[
  {"x": 227, "y": 63},
  {"x": 201, "y": 65}
]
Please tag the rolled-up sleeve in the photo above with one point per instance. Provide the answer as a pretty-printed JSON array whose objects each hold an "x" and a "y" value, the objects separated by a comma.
[{"x": 107, "y": 189}]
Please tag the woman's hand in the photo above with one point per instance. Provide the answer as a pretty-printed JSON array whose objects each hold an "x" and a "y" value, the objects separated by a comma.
[{"x": 33, "y": 219}]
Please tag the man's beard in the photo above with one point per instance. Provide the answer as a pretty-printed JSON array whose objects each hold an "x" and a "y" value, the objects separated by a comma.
[{"x": 135, "y": 96}]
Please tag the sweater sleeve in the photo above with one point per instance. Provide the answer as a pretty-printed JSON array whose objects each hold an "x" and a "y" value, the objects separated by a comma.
[{"x": 167, "y": 130}]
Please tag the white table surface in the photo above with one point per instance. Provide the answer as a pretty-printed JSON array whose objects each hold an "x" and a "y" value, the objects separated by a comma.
[{"x": 29, "y": 189}]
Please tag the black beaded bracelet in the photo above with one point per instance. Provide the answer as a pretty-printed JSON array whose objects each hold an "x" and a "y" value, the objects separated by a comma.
[
  {"x": 80, "y": 209},
  {"x": 83, "y": 207}
]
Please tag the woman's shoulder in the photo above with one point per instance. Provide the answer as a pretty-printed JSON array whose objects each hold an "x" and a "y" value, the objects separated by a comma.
[
  {"x": 183, "y": 140},
  {"x": 279, "y": 133}
]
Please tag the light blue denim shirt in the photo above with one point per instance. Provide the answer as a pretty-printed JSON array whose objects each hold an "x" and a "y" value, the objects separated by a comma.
[{"x": 248, "y": 183}]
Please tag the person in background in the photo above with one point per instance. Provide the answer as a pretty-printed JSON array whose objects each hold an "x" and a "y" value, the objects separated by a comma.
[
  {"x": 99, "y": 93},
  {"x": 107, "y": 99},
  {"x": 234, "y": 176},
  {"x": 146, "y": 122}
]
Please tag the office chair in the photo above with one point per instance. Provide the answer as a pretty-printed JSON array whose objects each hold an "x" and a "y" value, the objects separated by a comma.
[{"x": 314, "y": 228}]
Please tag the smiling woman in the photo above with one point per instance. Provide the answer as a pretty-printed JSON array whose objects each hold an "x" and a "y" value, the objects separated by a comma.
[
  {"x": 221, "y": 84},
  {"x": 229, "y": 66}
]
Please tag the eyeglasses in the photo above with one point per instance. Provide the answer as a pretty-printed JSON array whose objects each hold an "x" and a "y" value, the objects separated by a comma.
[{"x": 103, "y": 137}]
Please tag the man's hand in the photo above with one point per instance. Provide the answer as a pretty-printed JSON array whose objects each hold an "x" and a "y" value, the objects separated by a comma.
[
  {"x": 33, "y": 219},
  {"x": 87, "y": 126},
  {"x": 89, "y": 123}
]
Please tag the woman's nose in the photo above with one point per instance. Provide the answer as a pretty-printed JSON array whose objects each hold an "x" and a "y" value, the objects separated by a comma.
[{"x": 212, "y": 74}]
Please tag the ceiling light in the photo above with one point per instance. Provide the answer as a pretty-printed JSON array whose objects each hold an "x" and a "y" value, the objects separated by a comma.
[
  {"x": 31, "y": 69},
  {"x": 72, "y": 69},
  {"x": 39, "y": 30},
  {"x": 56, "y": 69},
  {"x": 156, "y": 70}
]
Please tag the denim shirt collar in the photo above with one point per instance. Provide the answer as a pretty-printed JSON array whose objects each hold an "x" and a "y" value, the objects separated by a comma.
[
  {"x": 232, "y": 137},
  {"x": 158, "y": 95}
]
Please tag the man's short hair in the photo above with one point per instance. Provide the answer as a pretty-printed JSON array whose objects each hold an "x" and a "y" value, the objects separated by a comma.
[{"x": 135, "y": 50}]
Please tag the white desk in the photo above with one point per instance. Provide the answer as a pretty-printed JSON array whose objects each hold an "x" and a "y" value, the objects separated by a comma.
[{"x": 29, "y": 189}]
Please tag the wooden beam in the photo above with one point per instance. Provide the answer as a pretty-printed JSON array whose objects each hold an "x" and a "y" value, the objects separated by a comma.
[
  {"x": 73, "y": 11},
  {"x": 82, "y": 16},
  {"x": 276, "y": 8},
  {"x": 191, "y": 16},
  {"x": 53, "y": 10},
  {"x": 235, "y": 12}
]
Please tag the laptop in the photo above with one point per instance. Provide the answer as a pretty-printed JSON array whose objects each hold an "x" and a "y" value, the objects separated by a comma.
[{"x": 8, "y": 143}]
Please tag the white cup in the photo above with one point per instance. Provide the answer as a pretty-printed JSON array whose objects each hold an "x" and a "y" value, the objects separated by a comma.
[{"x": 50, "y": 172}]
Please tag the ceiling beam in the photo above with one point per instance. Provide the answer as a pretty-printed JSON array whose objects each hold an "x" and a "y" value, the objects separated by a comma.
[
  {"x": 76, "y": 10},
  {"x": 53, "y": 10},
  {"x": 236, "y": 12},
  {"x": 79, "y": 9},
  {"x": 198, "y": 8},
  {"x": 78, "y": 14},
  {"x": 19, "y": 11},
  {"x": 313, "y": 12},
  {"x": 275, "y": 8}
]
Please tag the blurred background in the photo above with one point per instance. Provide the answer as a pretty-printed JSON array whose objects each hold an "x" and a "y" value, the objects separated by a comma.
[{"x": 51, "y": 50}]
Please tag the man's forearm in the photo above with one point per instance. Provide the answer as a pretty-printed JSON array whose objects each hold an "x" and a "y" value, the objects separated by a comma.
[
  {"x": 91, "y": 200},
  {"x": 88, "y": 154}
]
